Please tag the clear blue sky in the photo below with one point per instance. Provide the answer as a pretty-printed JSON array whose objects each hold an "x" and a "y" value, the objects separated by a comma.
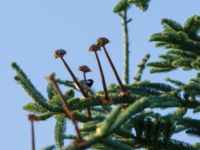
[{"x": 31, "y": 30}]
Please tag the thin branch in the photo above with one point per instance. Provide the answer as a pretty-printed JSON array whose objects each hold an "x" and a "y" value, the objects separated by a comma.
[{"x": 126, "y": 46}]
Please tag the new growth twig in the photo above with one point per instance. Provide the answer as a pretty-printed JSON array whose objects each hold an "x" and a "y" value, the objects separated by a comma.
[
  {"x": 102, "y": 42},
  {"x": 66, "y": 106},
  {"x": 94, "y": 48},
  {"x": 123, "y": 15}
]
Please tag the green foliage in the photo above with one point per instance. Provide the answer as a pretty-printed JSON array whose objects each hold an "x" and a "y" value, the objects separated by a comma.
[
  {"x": 66, "y": 83},
  {"x": 60, "y": 129},
  {"x": 125, "y": 4},
  {"x": 197, "y": 145},
  {"x": 116, "y": 144},
  {"x": 122, "y": 5},
  {"x": 103, "y": 130},
  {"x": 171, "y": 25},
  {"x": 141, "y": 4},
  {"x": 51, "y": 147},
  {"x": 22, "y": 80},
  {"x": 109, "y": 123},
  {"x": 182, "y": 43},
  {"x": 45, "y": 116},
  {"x": 34, "y": 107},
  {"x": 193, "y": 132},
  {"x": 141, "y": 68},
  {"x": 192, "y": 27},
  {"x": 175, "y": 82},
  {"x": 50, "y": 91},
  {"x": 127, "y": 120}
]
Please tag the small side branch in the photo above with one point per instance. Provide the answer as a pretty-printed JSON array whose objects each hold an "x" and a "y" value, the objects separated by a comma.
[{"x": 126, "y": 46}]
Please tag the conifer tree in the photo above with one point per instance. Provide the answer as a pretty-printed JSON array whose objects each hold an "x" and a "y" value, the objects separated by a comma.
[{"x": 121, "y": 117}]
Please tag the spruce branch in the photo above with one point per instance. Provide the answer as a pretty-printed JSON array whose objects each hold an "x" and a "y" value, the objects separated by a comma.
[
  {"x": 193, "y": 132},
  {"x": 116, "y": 144},
  {"x": 126, "y": 46},
  {"x": 191, "y": 26},
  {"x": 44, "y": 116},
  {"x": 197, "y": 145},
  {"x": 181, "y": 111},
  {"x": 66, "y": 83},
  {"x": 125, "y": 4},
  {"x": 59, "y": 131},
  {"x": 34, "y": 108},
  {"x": 27, "y": 85},
  {"x": 138, "y": 106},
  {"x": 188, "y": 122},
  {"x": 171, "y": 25},
  {"x": 89, "y": 126},
  {"x": 171, "y": 145},
  {"x": 105, "y": 126},
  {"x": 141, "y": 68},
  {"x": 51, "y": 147},
  {"x": 122, "y": 8},
  {"x": 122, "y": 5},
  {"x": 175, "y": 82},
  {"x": 33, "y": 93},
  {"x": 126, "y": 121},
  {"x": 182, "y": 43},
  {"x": 70, "y": 137}
]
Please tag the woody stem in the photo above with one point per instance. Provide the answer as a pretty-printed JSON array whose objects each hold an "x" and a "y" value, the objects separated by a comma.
[
  {"x": 67, "y": 108},
  {"x": 126, "y": 46},
  {"x": 32, "y": 135},
  {"x": 84, "y": 76},
  {"x": 74, "y": 78},
  {"x": 88, "y": 109},
  {"x": 102, "y": 77},
  {"x": 114, "y": 70}
]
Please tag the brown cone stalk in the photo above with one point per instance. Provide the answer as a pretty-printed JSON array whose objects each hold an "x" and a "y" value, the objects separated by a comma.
[
  {"x": 66, "y": 106},
  {"x": 101, "y": 42},
  {"x": 85, "y": 69},
  {"x": 32, "y": 118},
  {"x": 60, "y": 53},
  {"x": 94, "y": 48}
]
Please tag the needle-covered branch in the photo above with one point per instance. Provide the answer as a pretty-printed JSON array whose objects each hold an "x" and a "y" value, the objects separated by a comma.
[{"x": 123, "y": 115}]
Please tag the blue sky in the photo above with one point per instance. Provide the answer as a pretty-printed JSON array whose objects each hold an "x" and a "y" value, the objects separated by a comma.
[{"x": 31, "y": 30}]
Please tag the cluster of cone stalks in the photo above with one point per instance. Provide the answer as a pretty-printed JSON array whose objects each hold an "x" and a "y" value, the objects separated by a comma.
[
  {"x": 82, "y": 86},
  {"x": 108, "y": 117}
]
